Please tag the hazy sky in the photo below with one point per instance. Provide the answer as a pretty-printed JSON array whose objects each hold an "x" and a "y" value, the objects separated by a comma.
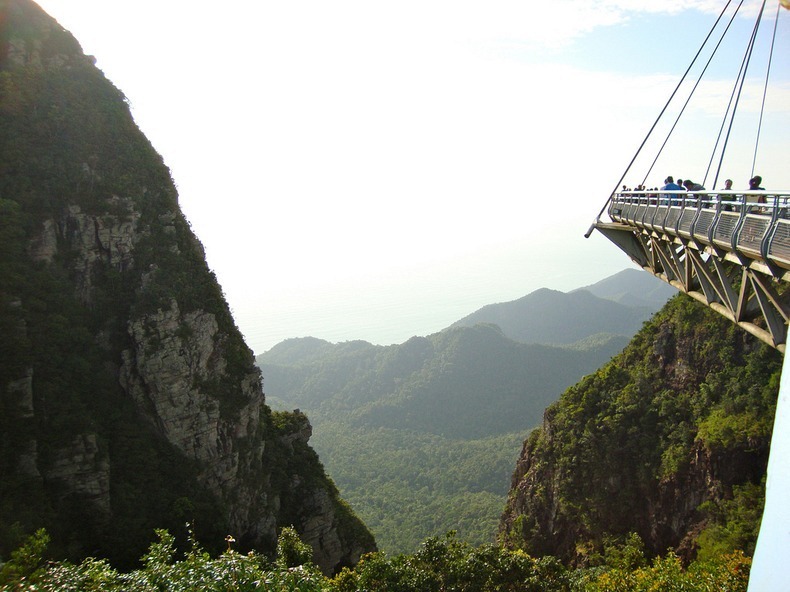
[{"x": 377, "y": 170}]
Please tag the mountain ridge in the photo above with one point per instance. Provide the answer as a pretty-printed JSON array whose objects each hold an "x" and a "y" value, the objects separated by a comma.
[
  {"x": 634, "y": 294},
  {"x": 550, "y": 316}
]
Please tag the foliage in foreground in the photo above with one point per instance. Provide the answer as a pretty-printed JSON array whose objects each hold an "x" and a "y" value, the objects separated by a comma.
[{"x": 441, "y": 563}]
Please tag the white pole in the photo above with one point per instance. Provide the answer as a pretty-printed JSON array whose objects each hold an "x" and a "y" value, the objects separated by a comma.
[{"x": 771, "y": 563}]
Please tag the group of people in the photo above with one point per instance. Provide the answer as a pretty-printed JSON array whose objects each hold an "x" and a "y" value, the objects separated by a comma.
[
  {"x": 689, "y": 185},
  {"x": 671, "y": 185}
]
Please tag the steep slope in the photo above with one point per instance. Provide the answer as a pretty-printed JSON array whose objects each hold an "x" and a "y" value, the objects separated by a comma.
[
  {"x": 549, "y": 316},
  {"x": 128, "y": 398},
  {"x": 669, "y": 440}
]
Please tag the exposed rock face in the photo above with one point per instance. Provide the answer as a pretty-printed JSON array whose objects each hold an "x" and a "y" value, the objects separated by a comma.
[
  {"x": 321, "y": 532},
  {"x": 667, "y": 515},
  {"x": 19, "y": 398},
  {"x": 81, "y": 469},
  {"x": 106, "y": 240},
  {"x": 126, "y": 390},
  {"x": 321, "y": 526},
  {"x": 171, "y": 355},
  {"x": 682, "y": 417}
]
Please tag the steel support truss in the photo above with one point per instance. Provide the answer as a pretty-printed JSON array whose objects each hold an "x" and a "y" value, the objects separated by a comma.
[{"x": 750, "y": 293}]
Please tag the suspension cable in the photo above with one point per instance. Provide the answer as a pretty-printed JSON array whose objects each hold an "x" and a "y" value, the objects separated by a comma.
[
  {"x": 723, "y": 124},
  {"x": 683, "y": 109},
  {"x": 727, "y": 114},
  {"x": 747, "y": 58},
  {"x": 765, "y": 90},
  {"x": 699, "y": 51}
]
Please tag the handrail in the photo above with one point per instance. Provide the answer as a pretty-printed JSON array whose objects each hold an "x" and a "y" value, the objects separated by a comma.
[{"x": 753, "y": 236}]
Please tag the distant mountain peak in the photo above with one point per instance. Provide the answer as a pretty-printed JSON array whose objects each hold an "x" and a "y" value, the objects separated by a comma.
[{"x": 617, "y": 305}]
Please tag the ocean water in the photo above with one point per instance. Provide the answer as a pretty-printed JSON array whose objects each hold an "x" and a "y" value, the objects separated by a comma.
[{"x": 390, "y": 308}]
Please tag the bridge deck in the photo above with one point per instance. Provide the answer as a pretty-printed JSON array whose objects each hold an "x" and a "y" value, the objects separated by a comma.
[{"x": 728, "y": 249}]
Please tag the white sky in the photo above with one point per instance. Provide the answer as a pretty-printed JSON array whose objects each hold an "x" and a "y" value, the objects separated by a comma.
[{"x": 377, "y": 170}]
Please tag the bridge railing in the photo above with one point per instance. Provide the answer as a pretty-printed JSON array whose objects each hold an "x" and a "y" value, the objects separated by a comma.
[{"x": 752, "y": 224}]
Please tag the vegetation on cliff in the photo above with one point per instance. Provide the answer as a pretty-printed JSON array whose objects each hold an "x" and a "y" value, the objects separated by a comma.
[
  {"x": 129, "y": 400},
  {"x": 669, "y": 440}
]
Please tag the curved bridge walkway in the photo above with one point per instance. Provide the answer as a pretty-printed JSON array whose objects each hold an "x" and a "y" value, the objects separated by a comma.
[{"x": 727, "y": 249}]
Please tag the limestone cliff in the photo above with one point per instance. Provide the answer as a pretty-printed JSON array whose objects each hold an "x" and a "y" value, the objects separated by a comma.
[
  {"x": 669, "y": 440},
  {"x": 128, "y": 399}
]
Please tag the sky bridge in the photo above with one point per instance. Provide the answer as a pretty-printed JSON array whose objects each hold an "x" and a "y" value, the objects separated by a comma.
[{"x": 729, "y": 250}]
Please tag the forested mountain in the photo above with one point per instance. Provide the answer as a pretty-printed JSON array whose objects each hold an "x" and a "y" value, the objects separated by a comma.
[
  {"x": 421, "y": 437},
  {"x": 632, "y": 287},
  {"x": 128, "y": 398},
  {"x": 617, "y": 305},
  {"x": 464, "y": 382},
  {"x": 668, "y": 440}
]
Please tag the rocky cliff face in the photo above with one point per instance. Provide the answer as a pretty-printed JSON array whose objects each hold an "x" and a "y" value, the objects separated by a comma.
[
  {"x": 129, "y": 400},
  {"x": 663, "y": 441}
]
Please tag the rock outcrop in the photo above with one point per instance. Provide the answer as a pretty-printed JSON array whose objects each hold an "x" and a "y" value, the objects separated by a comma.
[
  {"x": 128, "y": 399},
  {"x": 656, "y": 443}
]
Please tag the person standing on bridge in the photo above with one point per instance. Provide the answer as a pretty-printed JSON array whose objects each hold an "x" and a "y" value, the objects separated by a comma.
[
  {"x": 692, "y": 186},
  {"x": 727, "y": 187},
  {"x": 669, "y": 185},
  {"x": 754, "y": 185}
]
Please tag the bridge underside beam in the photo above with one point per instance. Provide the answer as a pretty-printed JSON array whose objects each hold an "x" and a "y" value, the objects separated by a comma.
[{"x": 742, "y": 293}]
